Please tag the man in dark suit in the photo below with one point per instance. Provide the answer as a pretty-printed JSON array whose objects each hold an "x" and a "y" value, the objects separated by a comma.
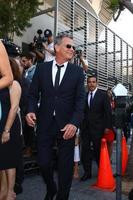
[
  {"x": 97, "y": 121},
  {"x": 58, "y": 116}
]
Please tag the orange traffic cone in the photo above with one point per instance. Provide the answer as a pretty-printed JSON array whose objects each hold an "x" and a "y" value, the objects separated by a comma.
[
  {"x": 105, "y": 180},
  {"x": 124, "y": 155}
]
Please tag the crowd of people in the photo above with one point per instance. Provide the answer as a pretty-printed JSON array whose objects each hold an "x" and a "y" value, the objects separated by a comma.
[{"x": 43, "y": 92}]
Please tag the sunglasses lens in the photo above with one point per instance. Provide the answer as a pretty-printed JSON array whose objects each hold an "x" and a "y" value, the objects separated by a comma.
[
  {"x": 73, "y": 48},
  {"x": 70, "y": 46}
]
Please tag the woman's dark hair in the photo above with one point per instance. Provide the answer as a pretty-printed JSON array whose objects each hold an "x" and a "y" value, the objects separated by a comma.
[{"x": 15, "y": 69}]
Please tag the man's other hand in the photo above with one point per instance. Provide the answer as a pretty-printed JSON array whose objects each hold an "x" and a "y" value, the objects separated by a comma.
[
  {"x": 31, "y": 119},
  {"x": 69, "y": 131}
]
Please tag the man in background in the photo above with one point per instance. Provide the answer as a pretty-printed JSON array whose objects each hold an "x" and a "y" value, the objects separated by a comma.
[
  {"x": 49, "y": 53},
  {"x": 97, "y": 121},
  {"x": 27, "y": 62}
]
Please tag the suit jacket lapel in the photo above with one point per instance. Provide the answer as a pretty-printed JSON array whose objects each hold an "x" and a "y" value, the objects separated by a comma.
[
  {"x": 66, "y": 74},
  {"x": 95, "y": 97},
  {"x": 49, "y": 77},
  {"x": 86, "y": 101}
]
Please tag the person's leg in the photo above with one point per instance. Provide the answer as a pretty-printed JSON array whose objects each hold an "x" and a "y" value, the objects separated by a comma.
[
  {"x": 46, "y": 166},
  {"x": 76, "y": 171},
  {"x": 76, "y": 161},
  {"x": 65, "y": 167},
  {"x": 86, "y": 157},
  {"x": 19, "y": 174},
  {"x": 45, "y": 145},
  {"x": 97, "y": 147},
  {"x": 11, "y": 176},
  {"x": 3, "y": 185},
  {"x": 28, "y": 133},
  {"x": 19, "y": 177}
]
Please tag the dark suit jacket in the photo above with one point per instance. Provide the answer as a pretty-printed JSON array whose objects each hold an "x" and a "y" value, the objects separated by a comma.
[
  {"x": 68, "y": 101},
  {"x": 99, "y": 116}
]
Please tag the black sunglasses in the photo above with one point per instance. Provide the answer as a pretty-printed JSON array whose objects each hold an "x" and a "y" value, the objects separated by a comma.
[{"x": 69, "y": 46}]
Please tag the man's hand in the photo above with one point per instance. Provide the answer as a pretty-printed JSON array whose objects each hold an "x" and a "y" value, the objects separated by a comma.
[
  {"x": 31, "y": 119},
  {"x": 69, "y": 131}
]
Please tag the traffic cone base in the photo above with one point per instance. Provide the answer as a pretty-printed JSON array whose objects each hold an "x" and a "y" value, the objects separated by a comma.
[
  {"x": 105, "y": 180},
  {"x": 110, "y": 189}
]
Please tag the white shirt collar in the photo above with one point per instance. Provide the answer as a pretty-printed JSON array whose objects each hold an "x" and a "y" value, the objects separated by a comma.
[
  {"x": 54, "y": 63},
  {"x": 93, "y": 92},
  {"x": 54, "y": 70}
]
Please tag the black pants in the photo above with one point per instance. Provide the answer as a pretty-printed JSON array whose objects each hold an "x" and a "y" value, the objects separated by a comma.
[
  {"x": 46, "y": 141},
  {"x": 28, "y": 133},
  {"x": 90, "y": 148},
  {"x": 20, "y": 170}
]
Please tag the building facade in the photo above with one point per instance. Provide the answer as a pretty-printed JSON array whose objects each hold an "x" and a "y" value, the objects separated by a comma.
[{"x": 108, "y": 55}]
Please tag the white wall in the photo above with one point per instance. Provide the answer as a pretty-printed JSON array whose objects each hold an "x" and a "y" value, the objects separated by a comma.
[{"x": 40, "y": 22}]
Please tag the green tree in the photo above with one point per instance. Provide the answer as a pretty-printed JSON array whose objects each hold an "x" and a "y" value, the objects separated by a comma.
[
  {"x": 15, "y": 16},
  {"x": 119, "y": 5}
]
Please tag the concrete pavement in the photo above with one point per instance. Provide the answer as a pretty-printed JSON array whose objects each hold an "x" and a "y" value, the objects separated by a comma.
[{"x": 34, "y": 189}]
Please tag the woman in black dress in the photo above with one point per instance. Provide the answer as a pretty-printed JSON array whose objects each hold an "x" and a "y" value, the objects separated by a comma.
[{"x": 10, "y": 129}]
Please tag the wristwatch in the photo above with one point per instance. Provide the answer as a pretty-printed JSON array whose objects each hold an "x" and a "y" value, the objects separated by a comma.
[{"x": 6, "y": 130}]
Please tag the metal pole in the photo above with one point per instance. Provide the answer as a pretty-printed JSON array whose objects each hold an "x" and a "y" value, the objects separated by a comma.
[
  {"x": 56, "y": 18},
  {"x": 118, "y": 163}
]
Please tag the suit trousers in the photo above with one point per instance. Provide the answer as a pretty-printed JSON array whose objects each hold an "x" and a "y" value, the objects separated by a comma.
[
  {"x": 46, "y": 141},
  {"x": 28, "y": 133},
  {"x": 90, "y": 149}
]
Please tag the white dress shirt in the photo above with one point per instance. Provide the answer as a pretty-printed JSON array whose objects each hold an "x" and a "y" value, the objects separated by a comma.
[
  {"x": 54, "y": 71},
  {"x": 89, "y": 95}
]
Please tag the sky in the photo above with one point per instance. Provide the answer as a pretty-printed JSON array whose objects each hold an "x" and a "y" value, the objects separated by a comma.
[{"x": 124, "y": 26}]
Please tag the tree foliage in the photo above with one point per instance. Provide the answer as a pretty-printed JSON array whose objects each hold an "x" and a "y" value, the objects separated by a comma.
[
  {"x": 114, "y": 4},
  {"x": 15, "y": 16},
  {"x": 119, "y": 5}
]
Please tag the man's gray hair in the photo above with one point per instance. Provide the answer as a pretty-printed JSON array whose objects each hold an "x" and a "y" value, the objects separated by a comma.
[{"x": 59, "y": 38}]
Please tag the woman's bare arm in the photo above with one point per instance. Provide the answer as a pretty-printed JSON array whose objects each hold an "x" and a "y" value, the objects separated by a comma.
[
  {"x": 15, "y": 94},
  {"x": 5, "y": 70}
]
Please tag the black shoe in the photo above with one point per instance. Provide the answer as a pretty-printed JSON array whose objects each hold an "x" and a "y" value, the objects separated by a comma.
[
  {"x": 18, "y": 188},
  {"x": 85, "y": 177},
  {"x": 49, "y": 196}
]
